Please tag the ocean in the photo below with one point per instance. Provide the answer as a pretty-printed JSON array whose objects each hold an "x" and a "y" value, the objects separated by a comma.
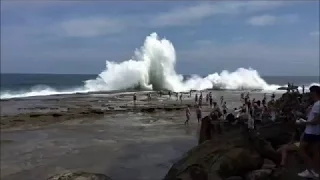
[
  {"x": 151, "y": 68},
  {"x": 21, "y": 85}
]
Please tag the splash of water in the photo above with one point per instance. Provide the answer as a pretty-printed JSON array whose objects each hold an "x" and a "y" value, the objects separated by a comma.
[{"x": 152, "y": 68}]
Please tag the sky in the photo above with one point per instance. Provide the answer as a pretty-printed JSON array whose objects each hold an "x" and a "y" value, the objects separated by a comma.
[{"x": 273, "y": 37}]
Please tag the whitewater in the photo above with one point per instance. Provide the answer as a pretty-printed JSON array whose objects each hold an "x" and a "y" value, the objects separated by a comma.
[{"x": 153, "y": 68}]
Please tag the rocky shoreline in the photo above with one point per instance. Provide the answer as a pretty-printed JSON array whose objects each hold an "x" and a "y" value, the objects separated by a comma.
[
  {"x": 57, "y": 109},
  {"x": 236, "y": 154}
]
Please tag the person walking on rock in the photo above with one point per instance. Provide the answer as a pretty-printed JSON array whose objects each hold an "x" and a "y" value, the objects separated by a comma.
[
  {"x": 188, "y": 114},
  {"x": 199, "y": 113}
]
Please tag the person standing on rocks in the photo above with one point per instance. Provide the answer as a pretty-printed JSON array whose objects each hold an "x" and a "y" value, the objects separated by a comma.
[
  {"x": 207, "y": 97},
  {"x": 210, "y": 99},
  {"x": 221, "y": 100},
  {"x": 224, "y": 109},
  {"x": 311, "y": 137},
  {"x": 188, "y": 114},
  {"x": 241, "y": 97},
  {"x": 199, "y": 113},
  {"x": 169, "y": 94},
  {"x": 177, "y": 96},
  {"x": 196, "y": 99},
  {"x": 149, "y": 97},
  {"x": 200, "y": 99},
  {"x": 134, "y": 99}
]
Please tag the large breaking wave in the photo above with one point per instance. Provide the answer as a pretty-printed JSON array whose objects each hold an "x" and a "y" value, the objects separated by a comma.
[{"x": 152, "y": 68}]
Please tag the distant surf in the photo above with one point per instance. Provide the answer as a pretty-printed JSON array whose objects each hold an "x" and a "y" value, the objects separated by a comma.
[{"x": 153, "y": 68}]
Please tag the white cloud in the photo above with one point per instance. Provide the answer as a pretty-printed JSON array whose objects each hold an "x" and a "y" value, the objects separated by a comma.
[
  {"x": 253, "y": 51},
  {"x": 268, "y": 20},
  {"x": 192, "y": 14},
  {"x": 314, "y": 33},
  {"x": 90, "y": 27},
  {"x": 263, "y": 20}
]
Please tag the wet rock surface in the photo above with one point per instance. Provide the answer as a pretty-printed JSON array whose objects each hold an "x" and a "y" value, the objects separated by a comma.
[{"x": 79, "y": 176}]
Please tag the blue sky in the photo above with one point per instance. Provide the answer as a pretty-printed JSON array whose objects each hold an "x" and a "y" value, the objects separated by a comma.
[{"x": 273, "y": 37}]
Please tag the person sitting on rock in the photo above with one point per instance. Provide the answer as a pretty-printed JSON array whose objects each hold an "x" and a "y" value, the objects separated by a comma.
[{"x": 293, "y": 145}]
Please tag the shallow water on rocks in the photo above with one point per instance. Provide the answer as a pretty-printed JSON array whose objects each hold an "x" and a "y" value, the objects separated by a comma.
[{"x": 124, "y": 146}]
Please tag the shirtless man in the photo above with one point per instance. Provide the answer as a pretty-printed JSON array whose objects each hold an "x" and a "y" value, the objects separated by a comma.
[
  {"x": 221, "y": 100},
  {"x": 188, "y": 114},
  {"x": 199, "y": 113},
  {"x": 181, "y": 97}
]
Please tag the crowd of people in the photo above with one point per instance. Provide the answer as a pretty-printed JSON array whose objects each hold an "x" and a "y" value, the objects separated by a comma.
[
  {"x": 307, "y": 144},
  {"x": 250, "y": 109},
  {"x": 267, "y": 110}
]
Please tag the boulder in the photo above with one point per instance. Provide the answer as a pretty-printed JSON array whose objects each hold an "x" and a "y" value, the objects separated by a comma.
[
  {"x": 79, "y": 176},
  {"x": 215, "y": 160},
  {"x": 276, "y": 133},
  {"x": 260, "y": 174}
]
